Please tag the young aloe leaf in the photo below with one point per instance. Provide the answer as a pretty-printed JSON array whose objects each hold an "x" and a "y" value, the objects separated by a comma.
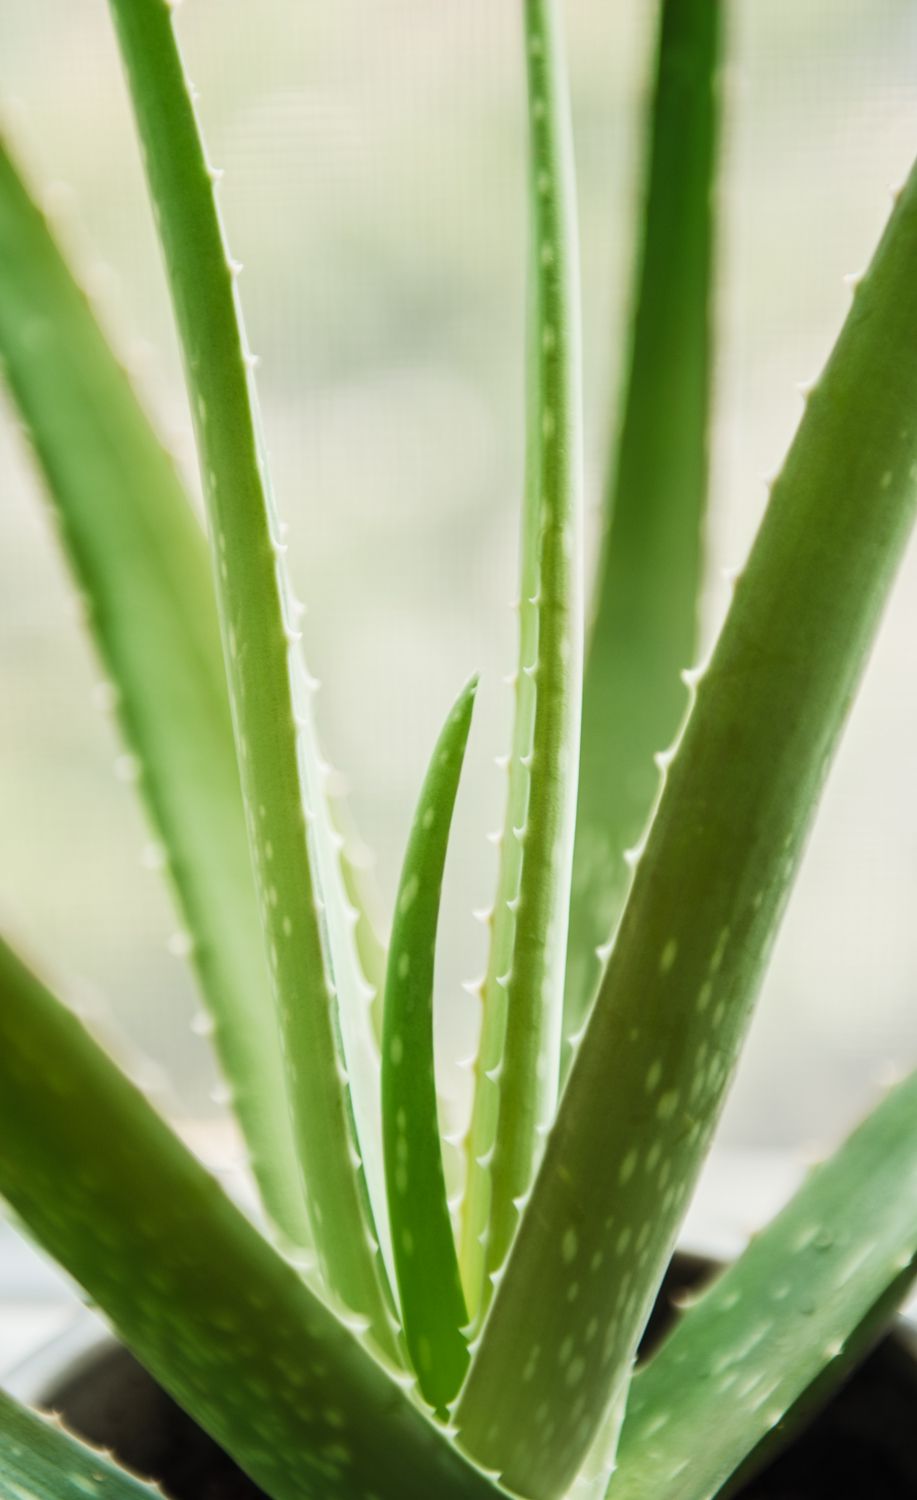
[
  {"x": 270, "y": 692},
  {"x": 432, "y": 1305},
  {"x": 647, "y": 1084},
  {"x": 809, "y": 1291},
  {"x": 362, "y": 897},
  {"x": 208, "y": 1306},
  {"x": 141, "y": 561},
  {"x": 645, "y": 612},
  {"x": 39, "y": 1460},
  {"x": 518, "y": 1064}
]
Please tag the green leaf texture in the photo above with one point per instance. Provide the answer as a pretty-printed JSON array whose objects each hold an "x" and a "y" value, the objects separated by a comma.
[
  {"x": 40, "y": 1461},
  {"x": 432, "y": 1305},
  {"x": 645, "y": 606},
  {"x": 788, "y": 1319},
  {"x": 141, "y": 560},
  {"x": 269, "y": 688},
  {"x": 226, "y": 1325},
  {"x": 518, "y": 1065},
  {"x": 706, "y": 901}
]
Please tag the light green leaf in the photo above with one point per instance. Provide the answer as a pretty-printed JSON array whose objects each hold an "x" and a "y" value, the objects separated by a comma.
[
  {"x": 432, "y": 1305},
  {"x": 40, "y": 1461},
  {"x": 645, "y": 606},
  {"x": 707, "y": 898},
  {"x": 270, "y": 691},
  {"x": 362, "y": 895},
  {"x": 518, "y": 1065},
  {"x": 787, "y": 1322},
  {"x": 215, "y": 1314},
  {"x": 141, "y": 561}
]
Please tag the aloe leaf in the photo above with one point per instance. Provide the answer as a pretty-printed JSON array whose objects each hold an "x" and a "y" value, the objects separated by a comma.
[
  {"x": 270, "y": 692},
  {"x": 432, "y": 1305},
  {"x": 644, "y": 625},
  {"x": 791, "y": 1314},
  {"x": 215, "y": 1314},
  {"x": 648, "y": 1082},
  {"x": 362, "y": 896},
  {"x": 518, "y": 1065},
  {"x": 352, "y": 954},
  {"x": 141, "y": 561},
  {"x": 40, "y": 1461}
]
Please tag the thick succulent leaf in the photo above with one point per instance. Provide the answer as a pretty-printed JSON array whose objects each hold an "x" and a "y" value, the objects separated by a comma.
[
  {"x": 432, "y": 1305},
  {"x": 269, "y": 688},
  {"x": 647, "y": 1084},
  {"x": 208, "y": 1306},
  {"x": 40, "y": 1461},
  {"x": 141, "y": 561},
  {"x": 791, "y": 1314},
  {"x": 645, "y": 606},
  {"x": 877, "y": 1325},
  {"x": 518, "y": 1065}
]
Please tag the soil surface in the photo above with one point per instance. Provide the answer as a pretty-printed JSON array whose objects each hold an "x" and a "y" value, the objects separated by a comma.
[{"x": 863, "y": 1445}]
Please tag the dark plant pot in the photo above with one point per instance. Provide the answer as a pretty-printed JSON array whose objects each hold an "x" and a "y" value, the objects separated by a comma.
[{"x": 861, "y": 1446}]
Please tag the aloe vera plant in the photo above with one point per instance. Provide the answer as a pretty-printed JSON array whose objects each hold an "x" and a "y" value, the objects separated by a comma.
[{"x": 354, "y": 1340}]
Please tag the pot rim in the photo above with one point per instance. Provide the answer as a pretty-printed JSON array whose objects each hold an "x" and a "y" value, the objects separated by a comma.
[{"x": 67, "y": 1354}]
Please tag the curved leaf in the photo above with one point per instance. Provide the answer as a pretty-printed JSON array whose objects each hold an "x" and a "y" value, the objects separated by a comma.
[
  {"x": 141, "y": 559},
  {"x": 432, "y": 1305},
  {"x": 787, "y": 1321}
]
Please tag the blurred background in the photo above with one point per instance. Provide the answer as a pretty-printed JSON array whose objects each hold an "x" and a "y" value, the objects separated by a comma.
[{"x": 374, "y": 189}]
